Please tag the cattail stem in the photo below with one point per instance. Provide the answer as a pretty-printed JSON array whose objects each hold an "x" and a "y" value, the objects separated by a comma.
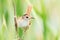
[{"x": 15, "y": 18}]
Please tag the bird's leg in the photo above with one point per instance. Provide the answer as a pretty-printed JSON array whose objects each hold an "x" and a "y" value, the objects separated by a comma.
[
  {"x": 26, "y": 28},
  {"x": 24, "y": 31}
]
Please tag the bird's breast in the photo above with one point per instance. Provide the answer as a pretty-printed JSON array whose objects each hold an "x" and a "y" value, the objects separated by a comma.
[{"x": 23, "y": 23}]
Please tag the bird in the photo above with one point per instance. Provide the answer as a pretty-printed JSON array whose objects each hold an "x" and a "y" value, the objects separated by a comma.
[{"x": 25, "y": 20}]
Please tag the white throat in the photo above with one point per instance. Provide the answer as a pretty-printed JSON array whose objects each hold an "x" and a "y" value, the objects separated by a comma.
[{"x": 23, "y": 23}]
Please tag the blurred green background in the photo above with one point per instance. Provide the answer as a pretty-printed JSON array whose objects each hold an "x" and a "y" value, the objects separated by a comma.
[{"x": 45, "y": 26}]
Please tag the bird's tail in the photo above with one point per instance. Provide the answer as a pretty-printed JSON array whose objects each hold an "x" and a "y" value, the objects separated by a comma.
[{"x": 28, "y": 10}]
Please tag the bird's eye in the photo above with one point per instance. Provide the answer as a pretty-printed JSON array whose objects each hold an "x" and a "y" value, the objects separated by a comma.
[{"x": 26, "y": 17}]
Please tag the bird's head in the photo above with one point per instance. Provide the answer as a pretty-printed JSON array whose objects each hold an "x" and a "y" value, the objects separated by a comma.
[{"x": 27, "y": 17}]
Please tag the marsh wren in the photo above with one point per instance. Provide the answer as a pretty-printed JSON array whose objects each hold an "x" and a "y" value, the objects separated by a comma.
[{"x": 25, "y": 20}]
